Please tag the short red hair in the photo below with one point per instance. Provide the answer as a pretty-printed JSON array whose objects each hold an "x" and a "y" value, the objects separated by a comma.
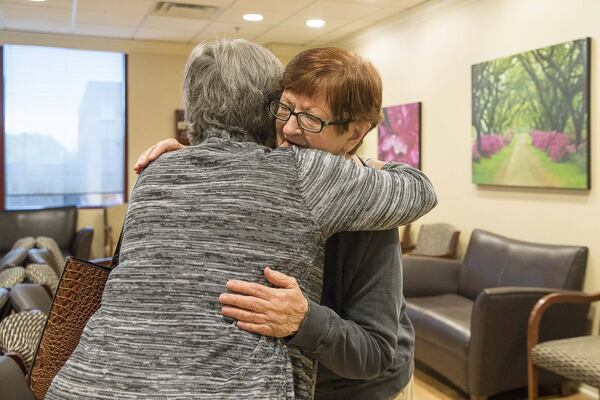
[{"x": 350, "y": 85}]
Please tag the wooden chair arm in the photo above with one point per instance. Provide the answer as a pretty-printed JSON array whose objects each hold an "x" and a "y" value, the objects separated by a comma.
[{"x": 533, "y": 328}]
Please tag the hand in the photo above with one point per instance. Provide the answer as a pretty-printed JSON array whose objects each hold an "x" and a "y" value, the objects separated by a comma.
[
  {"x": 164, "y": 146},
  {"x": 372, "y": 163},
  {"x": 276, "y": 312}
]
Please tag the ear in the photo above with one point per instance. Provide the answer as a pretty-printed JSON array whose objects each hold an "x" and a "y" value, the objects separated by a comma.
[{"x": 356, "y": 133}]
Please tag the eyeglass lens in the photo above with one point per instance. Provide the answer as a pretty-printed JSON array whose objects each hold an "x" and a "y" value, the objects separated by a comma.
[{"x": 305, "y": 121}]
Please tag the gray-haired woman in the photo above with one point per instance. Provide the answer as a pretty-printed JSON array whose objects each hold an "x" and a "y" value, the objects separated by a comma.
[{"x": 220, "y": 209}]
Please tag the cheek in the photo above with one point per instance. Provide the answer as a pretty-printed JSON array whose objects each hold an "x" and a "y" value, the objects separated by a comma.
[
  {"x": 326, "y": 142},
  {"x": 279, "y": 131}
]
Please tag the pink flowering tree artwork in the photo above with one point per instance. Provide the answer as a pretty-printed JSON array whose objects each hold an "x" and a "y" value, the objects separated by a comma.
[
  {"x": 400, "y": 134},
  {"x": 531, "y": 118}
]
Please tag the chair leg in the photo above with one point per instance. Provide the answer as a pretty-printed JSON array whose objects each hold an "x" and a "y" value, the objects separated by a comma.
[
  {"x": 532, "y": 381},
  {"x": 565, "y": 389}
]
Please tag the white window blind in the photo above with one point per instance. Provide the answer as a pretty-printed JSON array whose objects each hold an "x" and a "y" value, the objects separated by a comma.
[{"x": 64, "y": 128}]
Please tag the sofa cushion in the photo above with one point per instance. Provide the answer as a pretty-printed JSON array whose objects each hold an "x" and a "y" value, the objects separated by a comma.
[
  {"x": 444, "y": 320},
  {"x": 576, "y": 358},
  {"x": 10, "y": 277},
  {"x": 30, "y": 296},
  {"x": 494, "y": 261},
  {"x": 13, "y": 258}
]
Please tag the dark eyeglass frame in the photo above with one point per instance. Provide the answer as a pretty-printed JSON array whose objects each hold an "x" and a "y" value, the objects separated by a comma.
[{"x": 298, "y": 117}]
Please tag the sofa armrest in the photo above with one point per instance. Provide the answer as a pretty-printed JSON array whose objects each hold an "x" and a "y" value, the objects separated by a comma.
[
  {"x": 13, "y": 384},
  {"x": 499, "y": 332},
  {"x": 82, "y": 244},
  {"x": 429, "y": 276},
  {"x": 31, "y": 296}
]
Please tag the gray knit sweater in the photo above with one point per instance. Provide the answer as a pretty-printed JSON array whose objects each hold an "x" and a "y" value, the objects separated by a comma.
[{"x": 198, "y": 217}]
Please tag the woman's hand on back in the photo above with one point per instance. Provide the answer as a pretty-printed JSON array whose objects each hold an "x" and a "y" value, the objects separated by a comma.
[
  {"x": 276, "y": 312},
  {"x": 164, "y": 146}
]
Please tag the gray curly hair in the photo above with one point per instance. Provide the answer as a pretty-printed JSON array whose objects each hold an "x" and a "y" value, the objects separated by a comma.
[{"x": 226, "y": 87}]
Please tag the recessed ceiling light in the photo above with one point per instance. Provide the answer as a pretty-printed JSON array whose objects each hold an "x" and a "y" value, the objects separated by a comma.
[
  {"x": 315, "y": 23},
  {"x": 253, "y": 17},
  {"x": 37, "y": 1}
]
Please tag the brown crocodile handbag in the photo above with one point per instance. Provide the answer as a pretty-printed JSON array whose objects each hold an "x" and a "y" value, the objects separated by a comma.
[{"x": 78, "y": 296}]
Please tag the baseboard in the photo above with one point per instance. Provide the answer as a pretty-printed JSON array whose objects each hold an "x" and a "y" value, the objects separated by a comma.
[{"x": 589, "y": 391}]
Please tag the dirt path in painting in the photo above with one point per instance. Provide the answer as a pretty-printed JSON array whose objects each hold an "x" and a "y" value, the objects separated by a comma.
[{"x": 522, "y": 167}]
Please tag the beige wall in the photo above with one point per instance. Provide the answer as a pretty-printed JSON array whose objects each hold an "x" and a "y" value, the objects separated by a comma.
[
  {"x": 155, "y": 72},
  {"x": 426, "y": 55}
]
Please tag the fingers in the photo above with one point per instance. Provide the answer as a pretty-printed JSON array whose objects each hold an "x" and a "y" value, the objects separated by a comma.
[
  {"x": 261, "y": 329},
  {"x": 164, "y": 146},
  {"x": 246, "y": 302},
  {"x": 244, "y": 315},
  {"x": 142, "y": 161},
  {"x": 251, "y": 289},
  {"x": 280, "y": 279}
]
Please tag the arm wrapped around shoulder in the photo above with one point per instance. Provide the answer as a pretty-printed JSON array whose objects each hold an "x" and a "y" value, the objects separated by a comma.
[{"x": 344, "y": 196}]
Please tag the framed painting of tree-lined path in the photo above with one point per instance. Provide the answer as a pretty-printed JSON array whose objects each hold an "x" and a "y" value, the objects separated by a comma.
[
  {"x": 400, "y": 134},
  {"x": 531, "y": 118}
]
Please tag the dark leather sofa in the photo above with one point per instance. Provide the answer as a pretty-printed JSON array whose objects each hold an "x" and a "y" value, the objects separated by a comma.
[
  {"x": 470, "y": 317},
  {"x": 58, "y": 223}
]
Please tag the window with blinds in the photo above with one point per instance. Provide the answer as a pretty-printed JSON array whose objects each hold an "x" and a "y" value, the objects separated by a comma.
[{"x": 64, "y": 127}]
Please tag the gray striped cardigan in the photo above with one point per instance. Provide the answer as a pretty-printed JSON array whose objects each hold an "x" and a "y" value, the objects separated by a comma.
[{"x": 198, "y": 217}]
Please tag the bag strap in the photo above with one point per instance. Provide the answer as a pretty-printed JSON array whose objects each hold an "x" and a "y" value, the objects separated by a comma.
[{"x": 115, "y": 258}]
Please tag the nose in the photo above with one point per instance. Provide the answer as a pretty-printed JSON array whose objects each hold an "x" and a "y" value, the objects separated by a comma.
[{"x": 291, "y": 127}]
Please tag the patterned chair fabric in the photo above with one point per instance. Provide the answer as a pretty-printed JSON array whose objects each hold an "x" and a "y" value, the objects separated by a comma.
[
  {"x": 4, "y": 297},
  {"x": 58, "y": 259},
  {"x": 24, "y": 243},
  {"x": 10, "y": 277},
  {"x": 21, "y": 333},
  {"x": 42, "y": 274},
  {"x": 575, "y": 358},
  {"x": 436, "y": 240}
]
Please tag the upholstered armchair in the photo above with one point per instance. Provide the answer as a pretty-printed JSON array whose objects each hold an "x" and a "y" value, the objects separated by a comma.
[
  {"x": 435, "y": 240},
  {"x": 576, "y": 358},
  {"x": 58, "y": 223},
  {"x": 470, "y": 317}
]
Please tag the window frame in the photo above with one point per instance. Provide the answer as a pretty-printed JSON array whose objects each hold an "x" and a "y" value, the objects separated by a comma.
[{"x": 3, "y": 182}]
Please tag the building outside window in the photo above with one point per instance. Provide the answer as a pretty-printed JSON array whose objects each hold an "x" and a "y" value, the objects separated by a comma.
[{"x": 64, "y": 127}]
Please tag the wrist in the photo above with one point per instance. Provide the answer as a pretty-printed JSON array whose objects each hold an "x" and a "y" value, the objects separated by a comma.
[{"x": 313, "y": 329}]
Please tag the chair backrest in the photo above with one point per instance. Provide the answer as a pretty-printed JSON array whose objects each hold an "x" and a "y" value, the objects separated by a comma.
[
  {"x": 436, "y": 240},
  {"x": 493, "y": 261},
  {"x": 58, "y": 223}
]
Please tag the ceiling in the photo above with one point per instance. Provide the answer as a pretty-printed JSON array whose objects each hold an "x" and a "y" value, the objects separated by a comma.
[{"x": 284, "y": 20}]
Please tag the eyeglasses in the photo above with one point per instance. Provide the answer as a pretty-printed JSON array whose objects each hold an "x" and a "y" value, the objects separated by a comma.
[{"x": 306, "y": 121}]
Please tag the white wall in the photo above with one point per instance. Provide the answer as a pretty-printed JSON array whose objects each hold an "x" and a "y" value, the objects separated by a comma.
[{"x": 426, "y": 55}]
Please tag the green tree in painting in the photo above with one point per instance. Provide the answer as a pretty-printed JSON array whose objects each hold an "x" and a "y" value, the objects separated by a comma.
[{"x": 539, "y": 98}]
